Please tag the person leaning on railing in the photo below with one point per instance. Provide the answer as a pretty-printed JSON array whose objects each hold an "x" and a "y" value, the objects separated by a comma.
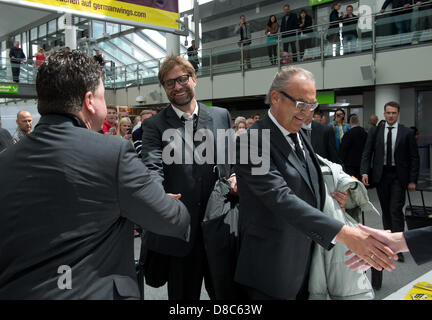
[
  {"x": 334, "y": 19},
  {"x": 403, "y": 24},
  {"x": 40, "y": 56},
  {"x": 245, "y": 39},
  {"x": 423, "y": 18},
  {"x": 17, "y": 56},
  {"x": 271, "y": 30},
  {"x": 305, "y": 24},
  {"x": 349, "y": 33}
]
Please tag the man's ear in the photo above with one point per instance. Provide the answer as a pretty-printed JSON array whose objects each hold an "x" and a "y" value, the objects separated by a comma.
[
  {"x": 88, "y": 103},
  {"x": 274, "y": 97}
]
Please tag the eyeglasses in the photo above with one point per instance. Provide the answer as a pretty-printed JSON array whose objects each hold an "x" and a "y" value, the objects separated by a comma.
[
  {"x": 300, "y": 104},
  {"x": 182, "y": 80}
]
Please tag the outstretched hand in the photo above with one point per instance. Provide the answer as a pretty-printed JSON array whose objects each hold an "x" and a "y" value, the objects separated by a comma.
[
  {"x": 395, "y": 241},
  {"x": 367, "y": 248}
]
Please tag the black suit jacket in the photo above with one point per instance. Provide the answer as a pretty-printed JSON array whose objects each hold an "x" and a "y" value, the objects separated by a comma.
[
  {"x": 406, "y": 155},
  {"x": 194, "y": 182},
  {"x": 323, "y": 142},
  {"x": 279, "y": 217},
  {"x": 352, "y": 146},
  {"x": 65, "y": 202},
  {"x": 307, "y": 25},
  {"x": 5, "y": 139},
  {"x": 289, "y": 22},
  {"x": 419, "y": 244}
]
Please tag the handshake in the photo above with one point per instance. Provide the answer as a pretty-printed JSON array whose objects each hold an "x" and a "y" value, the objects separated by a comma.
[{"x": 371, "y": 247}]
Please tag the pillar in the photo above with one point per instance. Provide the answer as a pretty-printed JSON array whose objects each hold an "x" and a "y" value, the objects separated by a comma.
[
  {"x": 172, "y": 44},
  {"x": 384, "y": 94},
  {"x": 70, "y": 32}
]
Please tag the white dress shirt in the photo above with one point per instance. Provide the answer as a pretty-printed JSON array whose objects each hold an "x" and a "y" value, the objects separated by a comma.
[
  {"x": 286, "y": 133},
  {"x": 394, "y": 135},
  {"x": 181, "y": 113}
]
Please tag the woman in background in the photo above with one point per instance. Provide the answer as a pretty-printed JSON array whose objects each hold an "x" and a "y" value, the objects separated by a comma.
[
  {"x": 40, "y": 56},
  {"x": 124, "y": 129},
  {"x": 305, "y": 23},
  {"x": 272, "y": 28}
]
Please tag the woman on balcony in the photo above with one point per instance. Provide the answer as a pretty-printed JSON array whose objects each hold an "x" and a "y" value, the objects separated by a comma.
[{"x": 272, "y": 28}]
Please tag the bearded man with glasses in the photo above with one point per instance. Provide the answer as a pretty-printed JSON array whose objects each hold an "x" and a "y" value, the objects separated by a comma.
[{"x": 183, "y": 265}]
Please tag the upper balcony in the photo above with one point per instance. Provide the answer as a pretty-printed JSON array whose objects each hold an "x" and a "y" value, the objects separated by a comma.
[{"x": 394, "y": 47}]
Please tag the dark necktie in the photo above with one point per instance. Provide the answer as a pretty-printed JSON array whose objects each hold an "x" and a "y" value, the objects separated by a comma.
[
  {"x": 298, "y": 150},
  {"x": 389, "y": 146},
  {"x": 189, "y": 117}
]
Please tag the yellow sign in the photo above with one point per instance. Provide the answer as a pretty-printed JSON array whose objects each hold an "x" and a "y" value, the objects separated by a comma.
[
  {"x": 420, "y": 291},
  {"x": 136, "y": 12}
]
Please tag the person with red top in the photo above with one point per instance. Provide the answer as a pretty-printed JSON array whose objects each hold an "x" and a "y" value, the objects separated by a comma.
[
  {"x": 110, "y": 126},
  {"x": 40, "y": 57}
]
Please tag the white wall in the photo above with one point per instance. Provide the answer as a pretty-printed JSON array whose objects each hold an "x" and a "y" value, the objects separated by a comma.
[{"x": 407, "y": 107}]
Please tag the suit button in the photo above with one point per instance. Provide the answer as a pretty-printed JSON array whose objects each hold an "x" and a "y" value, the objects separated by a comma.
[{"x": 199, "y": 204}]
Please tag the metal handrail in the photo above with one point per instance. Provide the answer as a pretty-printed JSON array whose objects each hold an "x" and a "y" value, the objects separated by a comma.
[{"x": 118, "y": 76}]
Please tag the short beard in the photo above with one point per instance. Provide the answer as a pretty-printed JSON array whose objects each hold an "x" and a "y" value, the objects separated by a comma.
[{"x": 173, "y": 100}]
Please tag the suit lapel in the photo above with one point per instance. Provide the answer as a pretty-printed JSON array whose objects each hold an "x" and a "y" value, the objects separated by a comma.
[
  {"x": 281, "y": 143},
  {"x": 316, "y": 177},
  {"x": 204, "y": 119},
  {"x": 398, "y": 137},
  {"x": 175, "y": 122},
  {"x": 380, "y": 138}
]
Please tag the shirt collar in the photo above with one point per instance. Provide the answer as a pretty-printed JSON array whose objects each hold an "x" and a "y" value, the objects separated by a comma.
[
  {"x": 284, "y": 131},
  {"x": 395, "y": 125},
  {"x": 307, "y": 126},
  {"x": 181, "y": 113}
]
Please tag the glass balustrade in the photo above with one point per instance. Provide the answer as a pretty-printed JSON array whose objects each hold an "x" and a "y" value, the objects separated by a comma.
[{"x": 346, "y": 37}]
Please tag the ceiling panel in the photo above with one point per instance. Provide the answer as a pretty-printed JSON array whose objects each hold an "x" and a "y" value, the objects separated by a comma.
[{"x": 15, "y": 17}]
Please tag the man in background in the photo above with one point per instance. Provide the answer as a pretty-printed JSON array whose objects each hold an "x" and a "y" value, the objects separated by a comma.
[
  {"x": 110, "y": 124},
  {"x": 17, "y": 56},
  {"x": 352, "y": 147},
  {"x": 99, "y": 58},
  {"x": 321, "y": 138},
  {"x": 289, "y": 23},
  {"x": 5, "y": 139},
  {"x": 24, "y": 123},
  {"x": 392, "y": 150},
  {"x": 192, "y": 53}
]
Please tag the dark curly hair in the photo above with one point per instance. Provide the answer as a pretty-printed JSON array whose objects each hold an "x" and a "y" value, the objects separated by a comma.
[{"x": 63, "y": 80}]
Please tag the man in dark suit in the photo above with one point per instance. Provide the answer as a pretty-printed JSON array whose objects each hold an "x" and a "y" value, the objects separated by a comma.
[
  {"x": 5, "y": 139},
  {"x": 393, "y": 151},
  {"x": 192, "y": 53},
  {"x": 352, "y": 146},
  {"x": 17, "y": 56},
  {"x": 289, "y": 23},
  {"x": 68, "y": 207},
  {"x": 280, "y": 209},
  {"x": 185, "y": 263},
  {"x": 321, "y": 137}
]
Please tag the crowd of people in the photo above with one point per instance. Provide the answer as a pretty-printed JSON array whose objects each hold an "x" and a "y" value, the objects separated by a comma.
[
  {"x": 91, "y": 189},
  {"x": 293, "y": 28},
  {"x": 18, "y": 57}
]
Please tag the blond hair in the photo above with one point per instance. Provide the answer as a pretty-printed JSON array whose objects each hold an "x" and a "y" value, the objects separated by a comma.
[{"x": 121, "y": 122}]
